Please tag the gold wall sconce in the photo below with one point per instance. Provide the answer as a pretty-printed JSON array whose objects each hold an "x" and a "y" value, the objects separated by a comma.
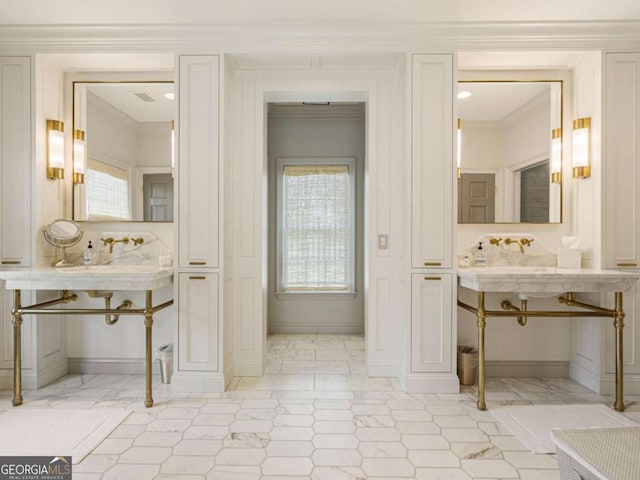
[
  {"x": 459, "y": 150},
  {"x": 55, "y": 150},
  {"x": 556, "y": 155},
  {"x": 79, "y": 156},
  {"x": 581, "y": 151}
]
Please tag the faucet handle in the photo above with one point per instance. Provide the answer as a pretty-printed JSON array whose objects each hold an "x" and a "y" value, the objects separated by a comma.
[
  {"x": 527, "y": 241},
  {"x": 137, "y": 241},
  {"x": 495, "y": 241},
  {"x": 108, "y": 240}
]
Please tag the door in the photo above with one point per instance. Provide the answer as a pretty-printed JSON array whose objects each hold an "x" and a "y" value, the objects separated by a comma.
[
  {"x": 157, "y": 191},
  {"x": 477, "y": 198},
  {"x": 534, "y": 193}
]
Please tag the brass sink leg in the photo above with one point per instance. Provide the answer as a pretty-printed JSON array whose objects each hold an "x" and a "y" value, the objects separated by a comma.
[
  {"x": 481, "y": 373},
  {"x": 619, "y": 325},
  {"x": 148, "y": 323},
  {"x": 17, "y": 349}
]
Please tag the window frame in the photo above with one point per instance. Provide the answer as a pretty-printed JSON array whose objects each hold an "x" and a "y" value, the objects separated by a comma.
[
  {"x": 281, "y": 163},
  {"x": 111, "y": 162}
]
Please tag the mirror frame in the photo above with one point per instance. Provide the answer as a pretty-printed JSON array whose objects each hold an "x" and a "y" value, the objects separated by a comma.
[
  {"x": 560, "y": 82},
  {"x": 109, "y": 78}
]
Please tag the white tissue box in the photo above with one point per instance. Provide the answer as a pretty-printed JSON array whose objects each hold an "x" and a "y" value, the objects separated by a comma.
[{"x": 569, "y": 258}]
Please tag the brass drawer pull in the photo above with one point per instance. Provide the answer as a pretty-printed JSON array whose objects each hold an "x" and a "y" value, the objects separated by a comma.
[
  {"x": 432, "y": 264},
  {"x": 10, "y": 262},
  {"x": 627, "y": 264},
  {"x": 197, "y": 263},
  {"x": 193, "y": 277},
  {"x": 432, "y": 278}
]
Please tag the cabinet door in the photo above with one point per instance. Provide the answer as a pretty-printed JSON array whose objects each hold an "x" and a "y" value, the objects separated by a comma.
[
  {"x": 622, "y": 160},
  {"x": 15, "y": 160},
  {"x": 198, "y": 322},
  {"x": 432, "y": 161},
  {"x": 6, "y": 330},
  {"x": 431, "y": 322},
  {"x": 198, "y": 161}
]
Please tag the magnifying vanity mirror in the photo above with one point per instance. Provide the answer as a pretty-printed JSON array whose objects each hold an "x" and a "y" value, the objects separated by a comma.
[
  {"x": 128, "y": 166},
  {"x": 505, "y": 170},
  {"x": 62, "y": 234}
]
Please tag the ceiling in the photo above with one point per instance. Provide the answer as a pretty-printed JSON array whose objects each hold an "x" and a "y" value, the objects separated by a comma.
[
  {"x": 494, "y": 101},
  {"x": 253, "y": 12},
  {"x": 126, "y": 98}
]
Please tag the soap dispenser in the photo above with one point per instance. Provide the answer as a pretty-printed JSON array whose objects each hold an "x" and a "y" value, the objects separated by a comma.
[
  {"x": 481, "y": 256},
  {"x": 87, "y": 256}
]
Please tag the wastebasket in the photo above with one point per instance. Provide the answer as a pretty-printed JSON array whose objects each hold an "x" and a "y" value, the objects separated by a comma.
[
  {"x": 467, "y": 364},
  {"x": 165, "y": 359}
]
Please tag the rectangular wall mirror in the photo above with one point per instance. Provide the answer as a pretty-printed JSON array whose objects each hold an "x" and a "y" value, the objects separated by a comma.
[
  {"x": 505, "y": 163},
  {"x": 126, "y": 173}
]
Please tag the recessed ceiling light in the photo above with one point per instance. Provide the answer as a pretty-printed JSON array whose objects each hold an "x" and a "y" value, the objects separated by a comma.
[
  {"x": 464, "y": 94},
  {"x": 170, "y": 96}
]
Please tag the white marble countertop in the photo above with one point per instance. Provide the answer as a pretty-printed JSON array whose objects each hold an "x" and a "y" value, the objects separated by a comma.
[
  {"x": 544, "y": 279},
  {"x": 99, "y": 277}
]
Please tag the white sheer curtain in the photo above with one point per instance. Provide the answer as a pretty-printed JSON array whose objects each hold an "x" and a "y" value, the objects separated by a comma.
[
  {"x": 107, "y": 191},
  {"x": 317, "y": 228}
]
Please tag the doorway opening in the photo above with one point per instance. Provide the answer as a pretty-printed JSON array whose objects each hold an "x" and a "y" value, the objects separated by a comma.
[{"x": 316, "y": 211}]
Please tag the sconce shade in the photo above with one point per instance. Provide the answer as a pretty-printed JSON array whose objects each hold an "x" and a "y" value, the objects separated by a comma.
[
  {"x": 581, "y": 148},
  {"x": 556, "y": 155},
  {"x": 79, "y": 156},
  {"x": 173, "y": 144},
  {"x": 55, "y": 149},
  {"x": 459, "y": 150}
]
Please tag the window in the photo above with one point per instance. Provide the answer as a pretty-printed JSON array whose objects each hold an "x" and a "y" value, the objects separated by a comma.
[
  {"x": 107, "y": 190},
  {"x": 316, "y": 225}
]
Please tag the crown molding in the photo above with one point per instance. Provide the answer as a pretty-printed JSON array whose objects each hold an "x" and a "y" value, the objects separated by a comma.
[{"x": 607, "y": 35}]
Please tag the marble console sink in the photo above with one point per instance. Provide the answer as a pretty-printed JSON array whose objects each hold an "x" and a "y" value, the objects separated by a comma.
[
  {"x": 91, "y": 277},
  {"x": 544, "y": 281}
]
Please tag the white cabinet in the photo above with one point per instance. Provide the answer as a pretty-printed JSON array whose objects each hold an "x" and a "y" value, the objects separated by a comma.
[
  {"x": 199, "y": 293},
  {"x": 621, "y": 220},
  {"x": 198, "y": 161},
  {"x": 198, "y": 336},
  {"x": 431, "y": 367},
  {"x": 432, "y": 168},
  {"x": 621, "y": 160},
  {"x": 15, "y": 161},
  {"x": 431, "y": 322}
]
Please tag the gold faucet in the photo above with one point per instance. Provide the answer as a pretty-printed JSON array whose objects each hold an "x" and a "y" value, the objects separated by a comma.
[
  {"x": 523, "y": 242},
  {"x": 137, "y": 241},
  {"x": 112, "y": 241},
  {"x": 495, "y": 241}
]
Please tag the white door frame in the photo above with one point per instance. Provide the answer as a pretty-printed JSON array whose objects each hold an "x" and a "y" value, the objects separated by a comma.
[{"x": 386, "y": 296}]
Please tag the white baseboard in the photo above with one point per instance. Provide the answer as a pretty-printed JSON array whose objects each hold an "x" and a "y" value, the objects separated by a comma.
[
  {"x": 227, "y": 369},
  {"x": 631, "y": 385},
  {"x": 198, "y": 382},
  {"x": 338, "y": 329},
  {"x": 32, "y": 380},
  {"x": 247, "y": 370},
  {"x": 124, "y": 366},
  {"x": 49, "y": 374},
  {"x": 430, "y": 383},
  {"x": 6, "y": 378},
  {"x": 584, "y": 377},
  {"x": 526, "y": 368},
  {"x": 382, "y": 370}
]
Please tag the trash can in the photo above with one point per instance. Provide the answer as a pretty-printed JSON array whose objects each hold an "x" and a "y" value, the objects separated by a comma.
[
  {"x": 467, "y": 364},
  {"x": 165, "y": 359}
]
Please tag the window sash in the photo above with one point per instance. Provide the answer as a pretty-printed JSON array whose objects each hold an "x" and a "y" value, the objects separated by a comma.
[
  {"x": 107, "y": 192},
  {"x": 316, "y": 248}
]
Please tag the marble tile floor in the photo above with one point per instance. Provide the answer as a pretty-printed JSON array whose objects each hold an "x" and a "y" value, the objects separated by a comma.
[{"x": 313, "y": 415}]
